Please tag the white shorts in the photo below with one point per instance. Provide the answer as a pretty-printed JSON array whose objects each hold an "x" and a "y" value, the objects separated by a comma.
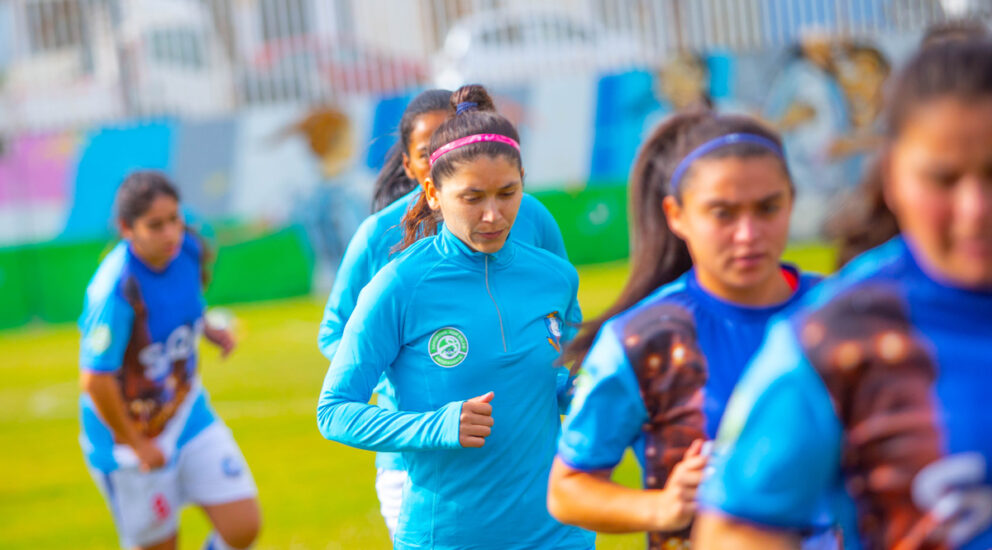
[
  {"x": 389, "y": 489},
  {"x": 210, "y": 469}
]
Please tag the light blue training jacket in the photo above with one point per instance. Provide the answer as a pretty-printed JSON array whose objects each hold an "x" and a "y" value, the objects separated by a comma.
[
  {"x": 446, "y": 323},
  {"x": 371, "y": 248}
]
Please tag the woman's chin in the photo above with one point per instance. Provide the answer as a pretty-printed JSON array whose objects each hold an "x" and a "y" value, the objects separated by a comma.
[{"x": 489, "y": 246}]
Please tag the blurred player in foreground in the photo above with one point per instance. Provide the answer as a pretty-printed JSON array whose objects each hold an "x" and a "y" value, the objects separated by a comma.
[{"x": 868, "y": 406}]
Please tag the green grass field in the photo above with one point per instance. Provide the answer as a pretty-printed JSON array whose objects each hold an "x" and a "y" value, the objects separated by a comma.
[{"x": 315, "y": 494}]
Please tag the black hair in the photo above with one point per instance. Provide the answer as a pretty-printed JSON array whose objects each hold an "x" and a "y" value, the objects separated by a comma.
[
  {"x": 136, "y": 194},
  {"x": 392, "y": 182}
]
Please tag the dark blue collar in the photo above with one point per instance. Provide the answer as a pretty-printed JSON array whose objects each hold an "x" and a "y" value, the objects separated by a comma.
[
  {"x": 923, "y": 275},
  {"x": 727, "y": 308}
]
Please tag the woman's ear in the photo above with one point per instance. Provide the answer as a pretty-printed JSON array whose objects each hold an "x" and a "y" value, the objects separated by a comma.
[
  {"x": 126, "y": 231},
  {"x": 673, "y": 216},
  {"x": 885, "y": 178},
  {"x": 406, "y": 167},
  {"x": 431, "y": 193}
]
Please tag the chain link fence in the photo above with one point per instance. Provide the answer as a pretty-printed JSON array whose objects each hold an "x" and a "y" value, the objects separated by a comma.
[{"x": 71, "y": 63}]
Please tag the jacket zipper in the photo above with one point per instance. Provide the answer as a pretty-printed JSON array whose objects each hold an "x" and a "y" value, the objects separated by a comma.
[{"x": 498, "y": 314}]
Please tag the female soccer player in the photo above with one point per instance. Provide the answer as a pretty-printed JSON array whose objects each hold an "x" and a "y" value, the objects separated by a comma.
[
  {"x": 711, "y": 197},
  {"x": 378, "y": 239},
  {"x": 868, "y": 405},
  {"x": 151, "y": 440},
  {"x": 467, "y": 326}
]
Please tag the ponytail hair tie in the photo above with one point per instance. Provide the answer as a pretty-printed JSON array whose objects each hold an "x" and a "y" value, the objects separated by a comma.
[{"x": 464, "y": 106}]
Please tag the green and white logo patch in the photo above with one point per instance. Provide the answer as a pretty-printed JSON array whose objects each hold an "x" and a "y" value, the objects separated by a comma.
[
  {"x": 98, "y": 339},
  {"x": 448, "y": 347}
]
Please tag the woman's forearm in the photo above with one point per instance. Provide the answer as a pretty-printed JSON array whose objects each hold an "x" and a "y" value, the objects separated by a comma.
[
  {"x": 713, "y": 531},
  {"x": 592, "y": 501},
  {"x": 105, "y": 392}
]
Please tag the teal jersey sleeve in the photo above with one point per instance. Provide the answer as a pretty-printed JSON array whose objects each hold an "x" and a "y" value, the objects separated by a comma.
[
  {"x": 777, "y": 455},
  {"x": 371, "y": 340},
  {"x": 547, "y": 233},
  {"x": 354, "y": 272},
  {"x": 607, "y": 411},
  {"x": 552, "y": 240},
  {"x": 106, "y": 331},
  {"x": 107, "y": 318}
]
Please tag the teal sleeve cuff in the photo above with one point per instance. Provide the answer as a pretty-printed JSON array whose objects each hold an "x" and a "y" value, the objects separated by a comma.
[{"x": 451, "y": 420}]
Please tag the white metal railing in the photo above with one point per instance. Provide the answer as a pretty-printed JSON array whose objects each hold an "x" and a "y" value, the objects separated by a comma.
[{"x": 67, "y": 63}]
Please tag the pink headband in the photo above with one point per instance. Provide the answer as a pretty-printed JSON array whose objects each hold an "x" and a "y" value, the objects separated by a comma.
[{"x": 468, "y": 140}]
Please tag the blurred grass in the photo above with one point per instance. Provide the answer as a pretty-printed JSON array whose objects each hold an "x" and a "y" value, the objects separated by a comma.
[{"x": 315, "y": 494}]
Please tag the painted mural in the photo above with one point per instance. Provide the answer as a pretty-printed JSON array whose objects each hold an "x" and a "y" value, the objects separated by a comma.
[
  {"x": 824, "y": 96},
  {"x": 275, "y": 166}
]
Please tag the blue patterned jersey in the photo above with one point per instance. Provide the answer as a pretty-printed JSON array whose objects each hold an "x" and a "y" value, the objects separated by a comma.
[
  {"x": 143, "y": 325},
  {"x": 659, "y": 375},
  {"x": 867, "y": 408}
]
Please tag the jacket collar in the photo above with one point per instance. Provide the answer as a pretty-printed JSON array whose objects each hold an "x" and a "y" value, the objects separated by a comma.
[{"x": 453, "y": 248}]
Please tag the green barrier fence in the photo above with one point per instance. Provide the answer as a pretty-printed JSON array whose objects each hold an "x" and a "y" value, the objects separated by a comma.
[
  {"x": 278, "y": 265},
  {"x": 15, "y": 301},
  {"x": 60, "y": 272},
  {"x": 593, "y": 221},
  {"x": 47, "y": 281}
]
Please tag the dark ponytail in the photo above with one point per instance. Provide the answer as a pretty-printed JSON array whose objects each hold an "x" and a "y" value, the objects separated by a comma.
[
  {"x": 392, "y": 182},
  {"x": 864, "y": 221},
  {"x": 958, "y": 68},
  {"x": 658, "y": 256},
  {"x": 471, "y": 111}
]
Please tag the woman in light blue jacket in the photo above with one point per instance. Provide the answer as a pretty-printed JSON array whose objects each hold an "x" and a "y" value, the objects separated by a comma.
[
  {"x": 467, "y": 326},
  {"x": 377, "y": 241}
]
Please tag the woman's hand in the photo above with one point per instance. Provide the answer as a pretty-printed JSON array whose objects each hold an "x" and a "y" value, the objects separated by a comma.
[
  {"x": 476, "y": 421},
  {"x": 150, "y": 457},
  {"x": 223, "y": 338},
  {"x": 677, "y": 504}
]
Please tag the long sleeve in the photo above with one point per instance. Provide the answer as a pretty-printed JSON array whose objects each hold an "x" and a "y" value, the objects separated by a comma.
[
  {"x": 370, "y": 342},
  {"x": 354, "y": 272}
]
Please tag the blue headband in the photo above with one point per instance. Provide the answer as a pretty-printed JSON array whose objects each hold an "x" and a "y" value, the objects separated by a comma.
[
  {"x": 464, "y": 106},
  {"x": 714, "y": 144}
]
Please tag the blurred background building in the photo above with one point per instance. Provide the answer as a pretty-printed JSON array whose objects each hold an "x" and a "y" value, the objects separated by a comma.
[{"x": 273, "y": 116}]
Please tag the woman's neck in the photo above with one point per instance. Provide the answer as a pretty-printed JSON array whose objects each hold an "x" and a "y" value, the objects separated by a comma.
[
  {"x": 771, "y": 291},
  {"x": 156, "y": 264}
]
